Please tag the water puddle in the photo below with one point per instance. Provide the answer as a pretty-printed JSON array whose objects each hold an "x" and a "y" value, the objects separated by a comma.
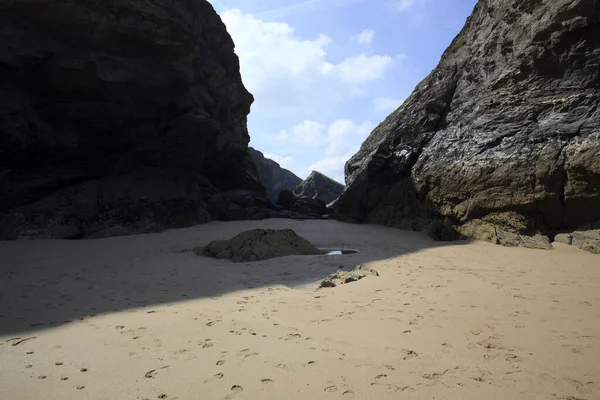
[{"x": 337, "y": 252}]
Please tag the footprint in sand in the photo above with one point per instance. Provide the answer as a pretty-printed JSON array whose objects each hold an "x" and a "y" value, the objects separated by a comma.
[
  {"x": 266, "y": 380},
  {"x": 331, "y": 389},
  {"x": 152, "y": 373},
  {"x": 409, "y": 354},
  {"x": 235, "y": 389},
  {"x": 220, "y": 362}
]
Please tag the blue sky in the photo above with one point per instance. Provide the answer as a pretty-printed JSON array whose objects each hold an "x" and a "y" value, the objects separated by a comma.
[{"x": 324, "y": 73}]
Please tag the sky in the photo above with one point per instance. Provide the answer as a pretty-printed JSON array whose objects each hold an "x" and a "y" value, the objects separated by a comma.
[{"x": 325, "y": 73}]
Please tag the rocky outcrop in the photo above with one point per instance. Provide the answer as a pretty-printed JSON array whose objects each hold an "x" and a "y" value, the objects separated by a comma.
[
  {"x": 306, "y": 205},
  {"x": 586, "y": 240},
  {"x": 272, "y": 176},
  {"x": 122, "y": 113},
  {"x": 259, "y": 244},
  {"x": 502, "y": 137},
  {"x": 319, "y": 186}
]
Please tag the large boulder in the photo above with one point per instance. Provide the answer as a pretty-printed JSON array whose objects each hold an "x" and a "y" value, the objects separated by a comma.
[
  {"x": 314, "y": 207},
  {"x": 259, "y": 244},
  {"x": 272, "y": 175},
  {"x": 117, "y": 112},
  {"x": 319, "y": 186},
  {"x": 588, "y": 240},
  {"x": 286, "y": 198},
  {"x": 502, "y": 139}
]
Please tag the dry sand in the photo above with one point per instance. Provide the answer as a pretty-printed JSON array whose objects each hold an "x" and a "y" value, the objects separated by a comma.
[{"x": 138, "y": 318}]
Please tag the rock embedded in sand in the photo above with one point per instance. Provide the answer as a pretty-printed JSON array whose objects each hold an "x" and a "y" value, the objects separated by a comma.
[
  {"x": 259, "y": 244},
  {"x": 586, "y": 240},
  {"x": 342, "y": 277}
]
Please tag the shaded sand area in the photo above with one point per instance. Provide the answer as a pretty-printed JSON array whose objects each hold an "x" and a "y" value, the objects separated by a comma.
[{"x": 140, "y": 318}]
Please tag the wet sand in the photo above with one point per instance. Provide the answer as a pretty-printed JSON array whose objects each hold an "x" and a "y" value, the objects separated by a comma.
[{"x": 140, "y": 317}]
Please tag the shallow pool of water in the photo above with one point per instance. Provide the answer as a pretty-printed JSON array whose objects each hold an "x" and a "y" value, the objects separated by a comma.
[{"x": 337, "y": 252}]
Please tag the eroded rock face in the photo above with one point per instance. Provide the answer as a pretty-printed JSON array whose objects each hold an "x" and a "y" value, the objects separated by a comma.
[
  {"x": 259, "y": 244},
  {"x": 272, "y": 176},
  {"x": 117, "y": 112},
  {"x": 504, "y": 133},
  {"x": 319, "y": 186}
]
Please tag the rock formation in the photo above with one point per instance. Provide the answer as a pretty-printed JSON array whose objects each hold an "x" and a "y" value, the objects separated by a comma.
[
  {"x": 588, "y": 240},
  {"x": 502, "y": 140},
  {"x": 272, "y": 176},
  {"x": 319, "y": 186},
  {"x": 128, "y": 113},
  {"x": 259, "y": 244},
  {"x": 342, "y": 277}
]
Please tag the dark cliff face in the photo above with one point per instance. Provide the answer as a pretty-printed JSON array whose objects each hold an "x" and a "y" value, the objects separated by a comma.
[
  {"x": 503, "y": 136},
  {"x": 118, "y": 112},
  {"x": 272, "y": 176},
  {"x": 319, "y": 186}
]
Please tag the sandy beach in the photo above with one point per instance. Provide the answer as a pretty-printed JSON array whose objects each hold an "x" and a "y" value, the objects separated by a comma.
[{"x": 141, "y": 317}]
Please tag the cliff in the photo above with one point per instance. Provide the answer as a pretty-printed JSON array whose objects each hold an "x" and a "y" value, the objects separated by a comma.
[
  {"x": 501, "y": 141},
  {"x": 319, "y": 186},
  {"x": 128, "y": 113},
  {"x": 272, "y": 176}
]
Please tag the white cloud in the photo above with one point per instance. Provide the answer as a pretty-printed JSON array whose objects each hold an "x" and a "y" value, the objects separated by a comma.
[
  {"x": 339, "y": 137},
  {"x": 332, "y": 167},
  {"x": 336, "y": 143},
  {"x": 345, "y": 136},
  {"x": 362, "y": 69},
  {"x": 286, "y": 73},
  {"x": 307, "y": 133},
  {"x": 365, "y": 37},
  {"x": 386, "y": 104},
  {"x": 284, "y": 162}
]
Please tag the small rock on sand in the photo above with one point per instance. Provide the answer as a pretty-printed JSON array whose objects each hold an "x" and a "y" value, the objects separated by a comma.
[{"x": 342, "y": 277}]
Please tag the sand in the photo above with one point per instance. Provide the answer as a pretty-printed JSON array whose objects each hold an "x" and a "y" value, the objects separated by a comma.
[{"x": 139, "y": 317}]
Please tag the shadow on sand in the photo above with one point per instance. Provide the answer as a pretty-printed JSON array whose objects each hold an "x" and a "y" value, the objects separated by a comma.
[{"x": 45, "y": 284}]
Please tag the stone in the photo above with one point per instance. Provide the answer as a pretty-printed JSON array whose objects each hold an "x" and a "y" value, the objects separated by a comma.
[
  {"x": 112, "y": 231},
  {"x": 319, "y": 186},
  {"x": 342, "y": 277},
  {"x": 314, "y": 207},
  {"x": 259, "y": 244},
  {"x": 119, "y": 112},
  {"x": 272, "y": 175},
  {"x": 504, "y": 133},
  {"x": 286, "y": 198},
  {"x": 492, "y": 231},
  {"x": 593, "y": 246},
  {"x": 564, "y": 238}
]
